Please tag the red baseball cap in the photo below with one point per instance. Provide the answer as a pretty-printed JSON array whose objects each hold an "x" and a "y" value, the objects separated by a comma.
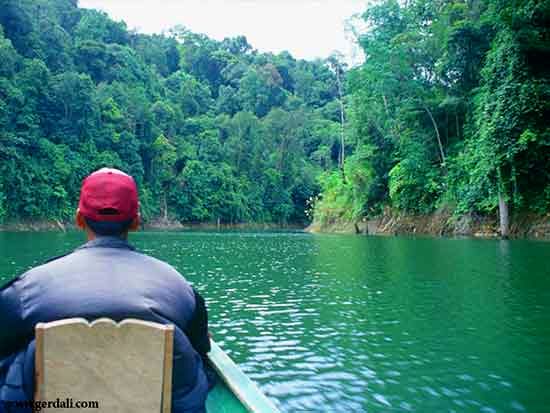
[{"x": 109, "y": 195}]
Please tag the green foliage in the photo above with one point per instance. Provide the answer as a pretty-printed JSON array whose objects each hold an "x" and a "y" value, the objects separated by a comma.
[
  {"x": 210, "y": 130},
  {"x": 450, "y": 107},
  {"x": 347, "y": 195},
  {"x": 507, "y": 141},
  {"x": 260, "y": 90},
  {"x": 413, "y": 188},
  {"x": 164, "y": 159},
  {"x": 336, "y": 201}
]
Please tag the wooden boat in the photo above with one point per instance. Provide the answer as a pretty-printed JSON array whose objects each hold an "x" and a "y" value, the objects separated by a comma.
[
  {"x": 234, "y": 392},
  {"x": 135, "y": 358}
]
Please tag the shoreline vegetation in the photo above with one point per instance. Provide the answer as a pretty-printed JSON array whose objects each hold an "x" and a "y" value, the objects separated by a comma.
[
  {"x": 447, "y": 121},
  {"x": 443, "y": 129},
  {"x": 438, "y": 224},
  {"x": 155, "y": 225},
  {"x": 391, "y": 223}
]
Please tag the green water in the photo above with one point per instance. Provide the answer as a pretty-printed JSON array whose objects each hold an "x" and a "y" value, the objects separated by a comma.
[{"x": 363, "y": 324}]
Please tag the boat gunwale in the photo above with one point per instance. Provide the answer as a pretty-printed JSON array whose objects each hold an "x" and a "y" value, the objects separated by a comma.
[{"x": 246, "y": 391}]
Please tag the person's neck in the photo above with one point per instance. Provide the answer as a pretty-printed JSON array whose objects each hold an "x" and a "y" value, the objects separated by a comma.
[{"x": 92, "y": 235}]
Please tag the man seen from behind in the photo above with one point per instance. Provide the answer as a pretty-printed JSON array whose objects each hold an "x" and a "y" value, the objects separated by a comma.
[{"x": 106, "y": 277}]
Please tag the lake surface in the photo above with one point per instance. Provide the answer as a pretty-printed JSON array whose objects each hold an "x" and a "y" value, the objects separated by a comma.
[{"x": 329, "y": 323}]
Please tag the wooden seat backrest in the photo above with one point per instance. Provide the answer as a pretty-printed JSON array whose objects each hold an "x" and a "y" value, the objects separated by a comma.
[{"x": 125, "y": 367}]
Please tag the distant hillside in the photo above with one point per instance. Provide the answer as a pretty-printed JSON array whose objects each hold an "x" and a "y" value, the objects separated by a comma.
[{"x": 210, "y": 130}]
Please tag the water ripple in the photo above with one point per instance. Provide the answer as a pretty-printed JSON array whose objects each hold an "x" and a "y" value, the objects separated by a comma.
[{"x": 359, "y": 324}]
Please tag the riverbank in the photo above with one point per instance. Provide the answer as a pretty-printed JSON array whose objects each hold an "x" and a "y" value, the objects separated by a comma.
[
  {"x": 154, "y": 225},
  {"x": 440, "y": 223},
  {"x": 161, "y": 225}
]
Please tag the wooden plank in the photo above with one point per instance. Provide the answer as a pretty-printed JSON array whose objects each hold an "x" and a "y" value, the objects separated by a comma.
[
  {"x": 168, "y": 361},
  {"x": 222, "y": 400},
  {"x": 243, "y": 388},
  {"x": 39, "y": 361},
  {"x": 121, "y": 366}
]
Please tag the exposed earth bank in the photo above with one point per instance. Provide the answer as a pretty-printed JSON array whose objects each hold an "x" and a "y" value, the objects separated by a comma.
[{"x": 440, "y": 223}]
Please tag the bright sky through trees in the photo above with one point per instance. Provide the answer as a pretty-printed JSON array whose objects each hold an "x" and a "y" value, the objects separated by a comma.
[{"x": 306, "y": 28}]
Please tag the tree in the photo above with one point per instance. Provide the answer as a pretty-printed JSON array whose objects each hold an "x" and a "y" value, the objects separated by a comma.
[
  {"x": 163, "y": 166},
  {"x": 509, "y": 119},
  {"x": 259, "y": 91},
  {"x": 336, "y": 65}
]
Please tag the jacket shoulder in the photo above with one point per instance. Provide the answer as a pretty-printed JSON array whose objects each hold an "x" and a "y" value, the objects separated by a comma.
[
  {"x": 56, "y": 258},
  {"x": 20, "y": 276},
  {"x": 158, "y": 263},
  {"x": 9, "y": 283}
]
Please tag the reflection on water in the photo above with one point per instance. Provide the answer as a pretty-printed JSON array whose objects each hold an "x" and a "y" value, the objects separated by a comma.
[{"x": 357, "y": 324}]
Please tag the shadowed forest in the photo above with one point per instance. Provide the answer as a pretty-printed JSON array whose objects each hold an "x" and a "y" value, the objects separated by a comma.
[{"x": 448, "y": 111}]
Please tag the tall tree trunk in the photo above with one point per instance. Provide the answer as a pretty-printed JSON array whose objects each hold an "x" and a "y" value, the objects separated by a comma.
[
  {"x": 437, "y": 134},
  {"x": 503, "y": 208},
  {"x": 503, "y": 215},
  {"x": 342, "y": 141},
  {"x": 342, "y": 155}
]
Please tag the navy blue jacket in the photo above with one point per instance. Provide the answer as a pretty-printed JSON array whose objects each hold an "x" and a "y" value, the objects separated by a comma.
[{"x": 105, "y": 277}]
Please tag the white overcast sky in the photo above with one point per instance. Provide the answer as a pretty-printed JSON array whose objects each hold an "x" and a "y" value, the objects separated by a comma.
[{"x": 306, "y": 28}]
